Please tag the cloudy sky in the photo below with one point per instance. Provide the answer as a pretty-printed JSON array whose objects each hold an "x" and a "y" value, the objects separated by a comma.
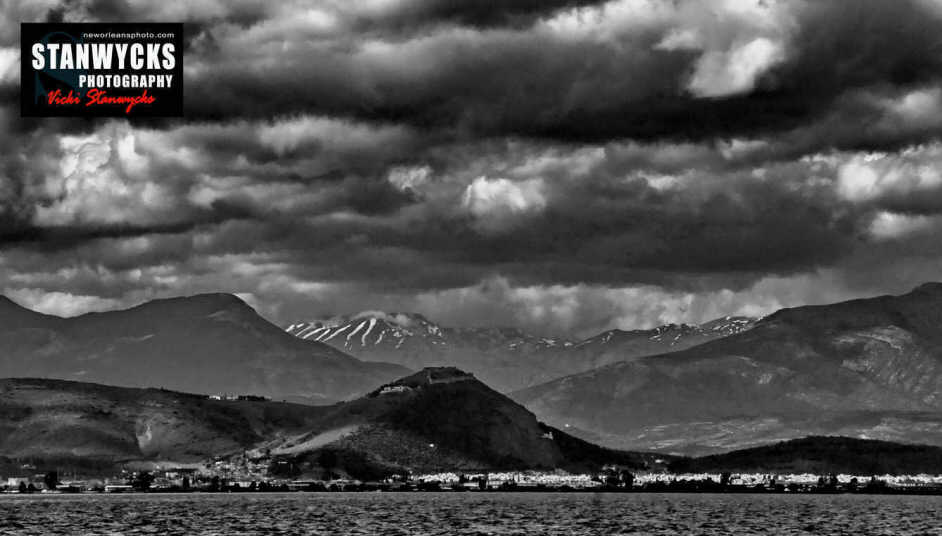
[{"x": 565, "y": 166}]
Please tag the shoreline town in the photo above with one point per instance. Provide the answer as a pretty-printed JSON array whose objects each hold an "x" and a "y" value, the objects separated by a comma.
[{"x": 609, "y": 480}]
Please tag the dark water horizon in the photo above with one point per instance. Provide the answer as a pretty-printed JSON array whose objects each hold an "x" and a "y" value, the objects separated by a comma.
[{"x": 577, "y": 513}]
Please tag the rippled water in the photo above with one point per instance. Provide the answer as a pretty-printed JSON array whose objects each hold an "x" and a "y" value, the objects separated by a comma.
[{"x": 468, "y": 513}]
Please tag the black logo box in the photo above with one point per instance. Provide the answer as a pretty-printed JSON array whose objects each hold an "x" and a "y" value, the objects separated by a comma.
[{"x": 168, "y": 102}]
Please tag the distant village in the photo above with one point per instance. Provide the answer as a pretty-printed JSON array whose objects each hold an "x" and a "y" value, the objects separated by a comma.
[{"x": 224, "y": 476}]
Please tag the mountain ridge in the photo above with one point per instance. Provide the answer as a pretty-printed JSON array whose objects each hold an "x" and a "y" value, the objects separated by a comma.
[
  {"x": 202, "y": 343},
  {"x": 506, "y": 358},
  {"x": 798, "y": 371}
]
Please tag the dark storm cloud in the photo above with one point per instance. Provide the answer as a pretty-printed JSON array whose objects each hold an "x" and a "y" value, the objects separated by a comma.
[
  {"x": 575, "y": 70},
  {"x": 413, "y": 15},
  {"x": 619, "y": 234},
  {"x": 613, "y": 232},
  {"x": 49, "y": 238},
  {"x": 597, "y": 81},
  {"x": 407, "y": 15},
  {"x": 560, "y": 165}
]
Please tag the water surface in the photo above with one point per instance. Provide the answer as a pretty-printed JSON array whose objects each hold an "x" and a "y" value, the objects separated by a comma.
[{"x": 468, "y": 513}]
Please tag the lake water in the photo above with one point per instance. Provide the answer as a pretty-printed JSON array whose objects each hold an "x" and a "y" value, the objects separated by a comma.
[{"x": 468, "y": 513}]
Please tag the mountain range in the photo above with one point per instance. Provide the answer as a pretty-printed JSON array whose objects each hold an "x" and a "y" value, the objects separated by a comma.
[
  {"x": 437, "y": 419},
  {"x": 862, "y": 368},
  {"x": 867, "y": 368},
  {"x": 209, "y": 343},
  {"x": 505, "y": 358}
]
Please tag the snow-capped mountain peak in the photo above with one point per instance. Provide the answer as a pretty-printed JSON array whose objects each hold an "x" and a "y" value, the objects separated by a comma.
[
  {"x": 367, "y": 328},
  {"x": 508, "y": 358},
  {"x": 674, "y": 334}
]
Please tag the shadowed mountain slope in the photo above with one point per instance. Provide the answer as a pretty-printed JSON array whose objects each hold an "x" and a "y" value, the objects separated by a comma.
[{"x": 444, "y": 419}]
